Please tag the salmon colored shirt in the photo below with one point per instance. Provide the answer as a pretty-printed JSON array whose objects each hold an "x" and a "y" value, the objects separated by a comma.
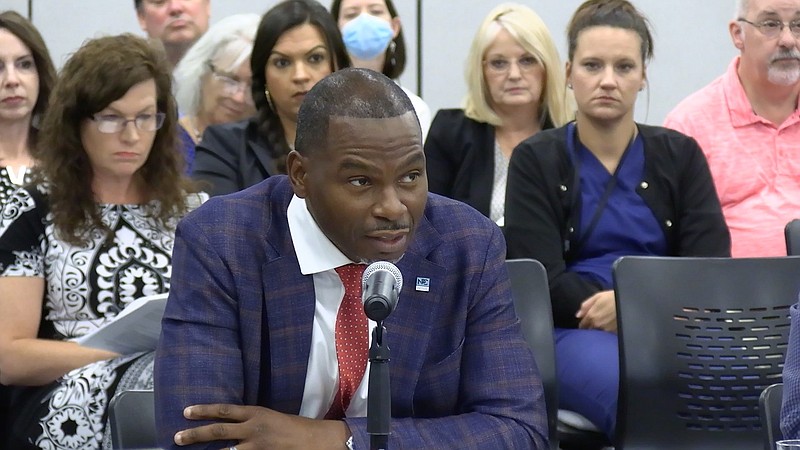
[{"x": 755, "y": 164}]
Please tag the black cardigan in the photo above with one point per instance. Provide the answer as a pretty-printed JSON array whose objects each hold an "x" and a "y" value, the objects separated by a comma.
[
  {"x": 231, "y": 157},
  {"x": 543, "y": 208}
]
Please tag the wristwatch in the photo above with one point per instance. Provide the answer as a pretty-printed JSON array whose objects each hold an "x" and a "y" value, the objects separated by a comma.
[{"x": 349, "y": 443}]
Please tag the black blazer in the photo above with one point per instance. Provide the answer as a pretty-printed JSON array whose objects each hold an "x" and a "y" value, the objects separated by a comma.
[
  {"x": 231, "y": 157},
  {"x": 460, "y": 159},
  {"x": 542, "y": 218}
]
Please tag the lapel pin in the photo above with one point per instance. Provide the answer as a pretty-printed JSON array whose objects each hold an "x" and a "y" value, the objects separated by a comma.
[{"x": 423, "y": 284}]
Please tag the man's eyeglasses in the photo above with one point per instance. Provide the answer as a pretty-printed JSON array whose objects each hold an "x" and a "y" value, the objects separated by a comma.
[
  {"x": 501, "y": 66},
  {"x": 772, "y": 28},
  {"x": 112, "y": 123},
  {"x": 230, "y": 85}
]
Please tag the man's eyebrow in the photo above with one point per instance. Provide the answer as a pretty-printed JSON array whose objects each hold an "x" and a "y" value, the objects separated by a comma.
[
  {"x": 415, "y": 158},
  {"x": 351, "y": 163}
]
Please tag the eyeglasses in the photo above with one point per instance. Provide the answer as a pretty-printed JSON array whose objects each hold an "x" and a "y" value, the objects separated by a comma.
[
  {"x": 502, "y": 66},
  {"x": 772, "y": 28},
  {"x": 112, "y": 123},
  {"x": 230, "y": 85}
]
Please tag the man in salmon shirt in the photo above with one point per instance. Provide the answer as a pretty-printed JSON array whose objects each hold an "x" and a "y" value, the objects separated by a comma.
[{"x": 748, "y": 124}]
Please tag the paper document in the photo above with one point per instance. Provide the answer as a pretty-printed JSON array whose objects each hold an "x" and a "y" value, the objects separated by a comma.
[{"x": 135, "y": 329}]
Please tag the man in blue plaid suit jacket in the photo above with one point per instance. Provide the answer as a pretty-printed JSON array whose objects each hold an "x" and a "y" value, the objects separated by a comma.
[{"x": 237, "y": 331}]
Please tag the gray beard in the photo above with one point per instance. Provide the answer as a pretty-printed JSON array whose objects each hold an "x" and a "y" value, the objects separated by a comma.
[{"x": 784, "y": 77}]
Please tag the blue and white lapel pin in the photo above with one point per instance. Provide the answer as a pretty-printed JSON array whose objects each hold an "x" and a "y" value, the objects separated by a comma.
[{"x": 423, "y": 284}]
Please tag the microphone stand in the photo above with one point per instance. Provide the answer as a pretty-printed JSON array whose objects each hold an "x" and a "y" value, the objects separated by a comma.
[{"x": 379, "y": 395}]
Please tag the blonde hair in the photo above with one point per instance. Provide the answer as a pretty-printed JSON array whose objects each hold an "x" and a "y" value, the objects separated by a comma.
[{"x": 532, "y": 34}]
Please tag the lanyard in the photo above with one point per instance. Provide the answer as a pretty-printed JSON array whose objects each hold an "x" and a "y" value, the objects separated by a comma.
[{"x": 572, "y": 148}]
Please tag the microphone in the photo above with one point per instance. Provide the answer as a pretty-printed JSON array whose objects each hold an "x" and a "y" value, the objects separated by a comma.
[{"x": 381, "y": 284}]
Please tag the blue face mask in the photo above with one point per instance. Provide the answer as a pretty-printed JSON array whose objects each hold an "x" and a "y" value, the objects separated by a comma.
[{"x": 367, "y": 36}]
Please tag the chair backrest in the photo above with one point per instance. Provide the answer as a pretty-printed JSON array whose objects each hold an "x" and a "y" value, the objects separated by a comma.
[
  {"x": 700, "y": 338},
  {"x": 133, "y": 422},
  {"x": 769, "y": 406},
  {"x": 792, "y": 235},
  {"x": 531, "y": 294}
]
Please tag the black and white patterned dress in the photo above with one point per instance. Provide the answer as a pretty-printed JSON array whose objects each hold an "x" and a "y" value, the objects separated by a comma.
[{"x": 86, "y": 286}]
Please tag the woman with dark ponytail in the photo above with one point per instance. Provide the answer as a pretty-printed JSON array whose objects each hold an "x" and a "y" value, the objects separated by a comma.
[
  {"x": 297, "y": 44},
  {"x": 582, "y": 195}
]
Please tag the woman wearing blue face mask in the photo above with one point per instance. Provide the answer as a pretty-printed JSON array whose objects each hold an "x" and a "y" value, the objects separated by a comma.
[{"x": 374, "y": 38}]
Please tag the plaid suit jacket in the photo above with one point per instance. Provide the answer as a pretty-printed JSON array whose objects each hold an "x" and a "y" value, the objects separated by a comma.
[{"x": 237, "y": 328}]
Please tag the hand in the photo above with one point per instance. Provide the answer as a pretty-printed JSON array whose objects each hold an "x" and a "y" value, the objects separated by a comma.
[
  {"x": 599, "y": 312},
  {"x": 256, "y": 427}
]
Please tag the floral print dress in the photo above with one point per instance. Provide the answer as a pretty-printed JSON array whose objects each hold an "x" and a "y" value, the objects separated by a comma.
[{"x": 86, "y": 286}]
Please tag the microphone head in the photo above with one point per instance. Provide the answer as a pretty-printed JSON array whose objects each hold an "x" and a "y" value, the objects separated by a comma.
[
  {"x": 381, "y": 284},
  {"x": 382, "y": 265}
]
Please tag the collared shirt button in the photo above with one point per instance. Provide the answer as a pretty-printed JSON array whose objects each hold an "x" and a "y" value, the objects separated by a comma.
[
  {"x": 668, "y": 223},
  {"x": 571, "y": 229},
  {"x": 644, "y": 184},
  {"x": 563, "y": 188}
]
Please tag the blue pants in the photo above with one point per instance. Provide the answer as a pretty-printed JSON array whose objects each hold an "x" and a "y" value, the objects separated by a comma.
[{"x": 587, "y": 366}]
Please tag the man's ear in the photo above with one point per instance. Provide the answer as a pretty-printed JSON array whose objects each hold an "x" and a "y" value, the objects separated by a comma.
[
  {"x": 296, "y": 170},
  {"x": 737, "y": 34}
]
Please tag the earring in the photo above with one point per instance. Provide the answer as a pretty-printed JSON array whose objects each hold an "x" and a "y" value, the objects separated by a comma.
[
  {"x": 269, "y": 100},
  {"x": 569, "y": 85},
  {"x": 392, "y": 59}
]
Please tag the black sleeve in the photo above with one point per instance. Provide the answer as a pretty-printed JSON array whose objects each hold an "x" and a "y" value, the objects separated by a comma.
[
  {"x": 703, "y": 231},
  {"x": 535, "y": 224},
  {"x": 216, "y": 160},
  {"x": 441, "y": 163}
]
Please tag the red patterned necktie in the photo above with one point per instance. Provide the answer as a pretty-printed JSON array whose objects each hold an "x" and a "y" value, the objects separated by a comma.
[{"x": 352, "y": 339}]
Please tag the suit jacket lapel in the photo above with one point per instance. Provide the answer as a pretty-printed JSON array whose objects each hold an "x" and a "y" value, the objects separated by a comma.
[
  {"x": 261, "y": 151},
  {"x": 410, "y": 325}
]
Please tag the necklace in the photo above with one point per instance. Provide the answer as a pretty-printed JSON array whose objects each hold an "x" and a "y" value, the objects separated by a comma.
[
  {"x": 17, "y": 178},
  {"x": 190, "y": 124},
  {"x": 197, "y": 134}
]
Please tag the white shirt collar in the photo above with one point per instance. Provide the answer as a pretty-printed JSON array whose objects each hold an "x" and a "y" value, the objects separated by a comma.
[{"x": 315, "y": 252}]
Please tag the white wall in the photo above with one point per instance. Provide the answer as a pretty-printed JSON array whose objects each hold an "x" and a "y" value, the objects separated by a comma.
[{"x": 692, "y": 45}]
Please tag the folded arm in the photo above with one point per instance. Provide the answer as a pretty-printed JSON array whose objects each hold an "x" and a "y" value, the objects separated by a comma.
[{"x": 24, "y": 359}]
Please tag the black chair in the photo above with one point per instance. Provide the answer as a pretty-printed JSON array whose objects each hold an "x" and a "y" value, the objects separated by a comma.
[
  {"x": 769, "y": 407},
  {"x": 700, "y": 339},
  {"x": 133, "y": 422},
  {"x": 531, "y": 293},
  {"x": 5, "y": 415},
  {"x": 792, "y": 235}
]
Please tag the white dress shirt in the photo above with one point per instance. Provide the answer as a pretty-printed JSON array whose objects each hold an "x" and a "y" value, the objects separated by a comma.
[{"x": 319, "y": 257}]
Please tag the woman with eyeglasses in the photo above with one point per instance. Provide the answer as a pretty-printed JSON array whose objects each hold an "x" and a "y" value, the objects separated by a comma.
[
  {"x": 296, "y": 45},
  {"x": 515, "y": 88},
  {"x": 601, "y": 187},
  {"x": 213, "y": 80},
  {"x": 93, "y": 233}
]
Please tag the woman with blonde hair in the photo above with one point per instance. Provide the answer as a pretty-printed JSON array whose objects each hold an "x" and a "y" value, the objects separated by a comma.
[
  {"x": 515, "y": 88},
  {"x": 213, "y": 80}
]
